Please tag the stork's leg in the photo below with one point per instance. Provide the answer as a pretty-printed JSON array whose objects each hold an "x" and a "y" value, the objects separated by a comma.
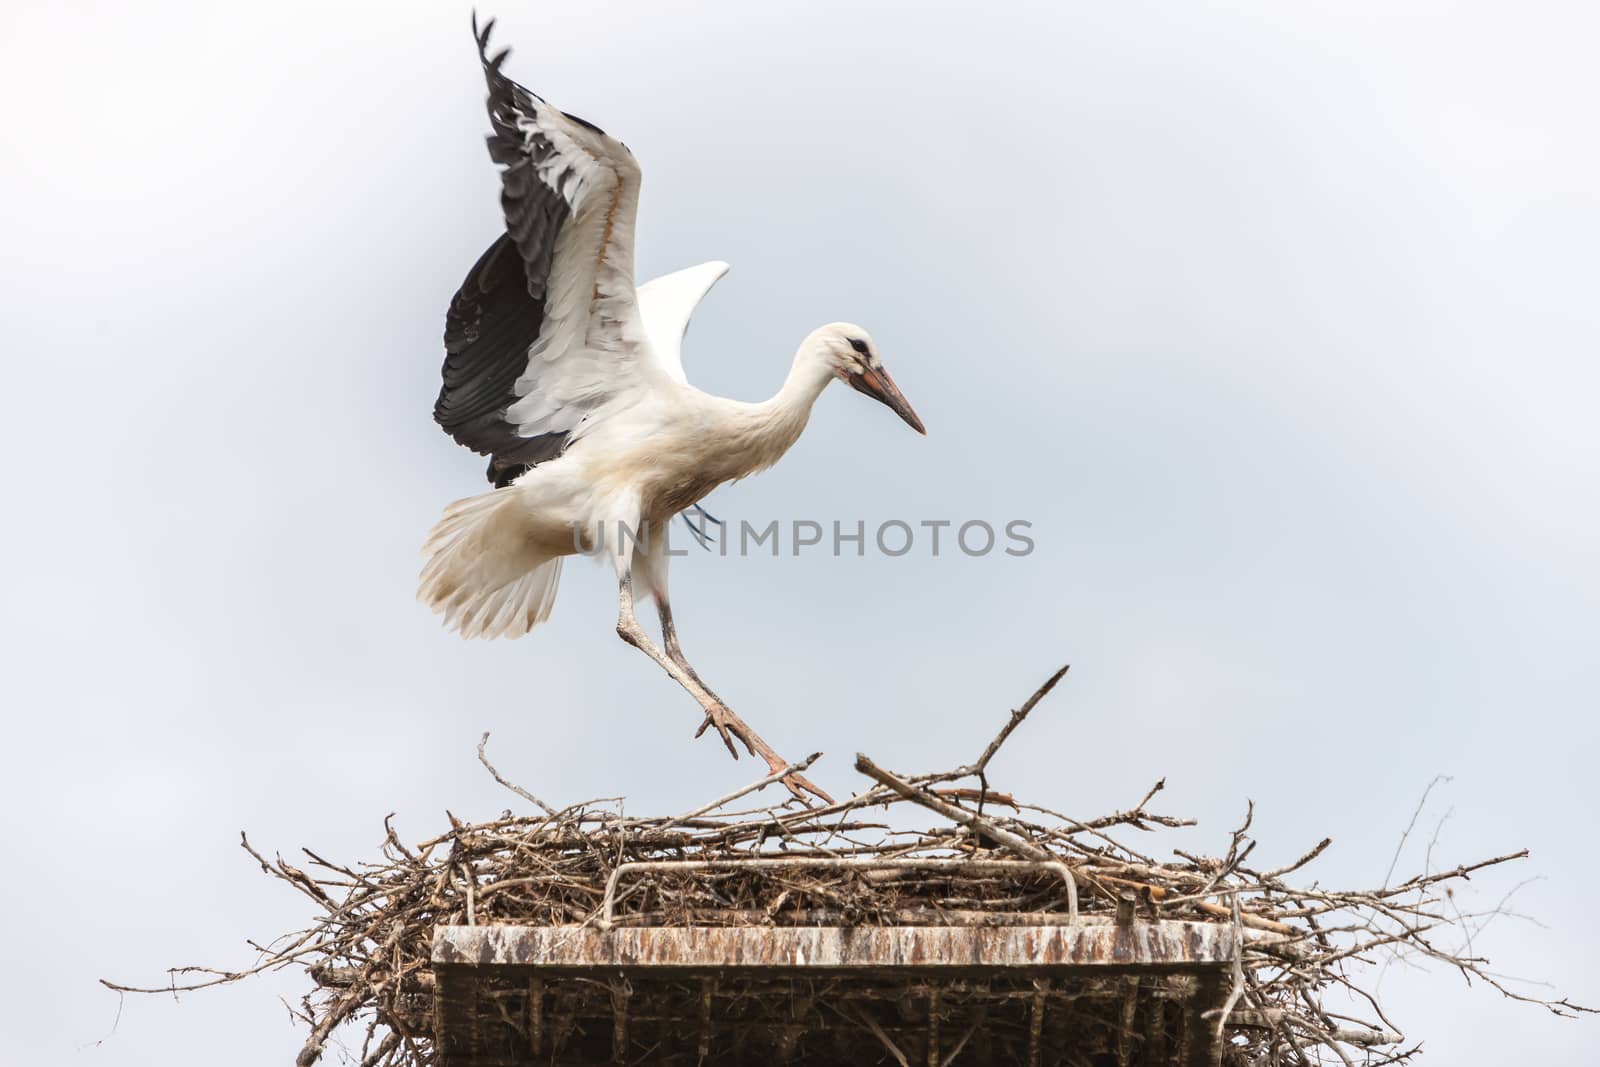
[
  {"x": 669, "y": 637},
  {"x": 717, "y": 717},
  {"x": 718, "y": 713},
  {"x": 650, "y": 568}
]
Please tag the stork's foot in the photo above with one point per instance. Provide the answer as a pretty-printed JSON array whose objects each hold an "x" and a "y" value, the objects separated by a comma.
[
  {"x": 730, "y": 726},
  {"x": 722, "y": 718},
  {"x": 801, "y": 787}
]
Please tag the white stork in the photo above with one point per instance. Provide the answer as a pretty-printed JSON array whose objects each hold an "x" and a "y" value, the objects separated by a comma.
[{"x": 569, "y": 379}]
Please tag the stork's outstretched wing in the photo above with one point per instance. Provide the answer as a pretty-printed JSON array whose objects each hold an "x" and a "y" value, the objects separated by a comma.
[
  {"x": 545, "y": 331},
  {"x": 666, "y": 305}
]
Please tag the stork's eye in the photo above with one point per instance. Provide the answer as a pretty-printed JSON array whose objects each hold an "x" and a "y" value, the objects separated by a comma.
[{"x": 859, "y": 345}]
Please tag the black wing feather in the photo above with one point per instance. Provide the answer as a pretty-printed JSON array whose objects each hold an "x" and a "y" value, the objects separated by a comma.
[
  {"x": 490, "y": 324},
  {"x": 496, "y": 315}
]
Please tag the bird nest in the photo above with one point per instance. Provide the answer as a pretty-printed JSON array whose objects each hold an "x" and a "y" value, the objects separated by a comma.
[{"x": 908, "y": 854}]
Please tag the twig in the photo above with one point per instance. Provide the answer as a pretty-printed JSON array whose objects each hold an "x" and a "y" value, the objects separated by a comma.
[
  {"x": 1415, "y": 815},
  {"x": 1315, "y": 851},
  {"x": 775, "y": 776},
  {"x": 877, "y": 1032},
  {"x": 1016, "y": 720},
  {"x": 950, "y": 811},
  {"x": 1138, "y": 809},
  {"x": 517, "y": 789},
  {"x": 1238, "y": 971}
]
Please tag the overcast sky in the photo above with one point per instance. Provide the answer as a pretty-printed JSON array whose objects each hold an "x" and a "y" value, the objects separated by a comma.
[{"x": 1278, "y": 323}]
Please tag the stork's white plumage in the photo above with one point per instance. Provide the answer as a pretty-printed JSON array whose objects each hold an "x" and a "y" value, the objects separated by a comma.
[{"x": 571, "y": 381}]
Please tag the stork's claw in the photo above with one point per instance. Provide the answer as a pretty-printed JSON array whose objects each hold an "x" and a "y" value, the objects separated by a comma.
[
  {"x": 730, "y": 726},
  {"x": 799, "y": 785},
  {"x": 719, "y": 718}
]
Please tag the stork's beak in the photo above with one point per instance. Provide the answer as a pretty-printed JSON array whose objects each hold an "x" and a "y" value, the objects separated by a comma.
[{"x": 876, "y": 383}]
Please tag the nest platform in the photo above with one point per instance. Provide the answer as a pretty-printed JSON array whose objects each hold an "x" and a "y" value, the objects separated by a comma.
[{"x": 927, "y": 919}]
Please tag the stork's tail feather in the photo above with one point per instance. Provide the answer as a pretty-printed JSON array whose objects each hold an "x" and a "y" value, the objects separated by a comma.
[{"x": 482, "y": 575}]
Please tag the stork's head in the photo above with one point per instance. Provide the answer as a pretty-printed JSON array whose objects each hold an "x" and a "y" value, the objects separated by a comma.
[{"x": 854, "y": 360}]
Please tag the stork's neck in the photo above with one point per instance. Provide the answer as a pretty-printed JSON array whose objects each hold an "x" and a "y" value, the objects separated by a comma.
[
  {"x": 808, "y": 376},
  {"x": 776, "y": 424}
]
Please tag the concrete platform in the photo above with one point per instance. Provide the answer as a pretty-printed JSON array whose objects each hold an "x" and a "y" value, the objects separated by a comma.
[{"x": 1094, "y": 990}]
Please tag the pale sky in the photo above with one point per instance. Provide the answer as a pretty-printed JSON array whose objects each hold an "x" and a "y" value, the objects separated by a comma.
[{"x": 1276, "y": 322}]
